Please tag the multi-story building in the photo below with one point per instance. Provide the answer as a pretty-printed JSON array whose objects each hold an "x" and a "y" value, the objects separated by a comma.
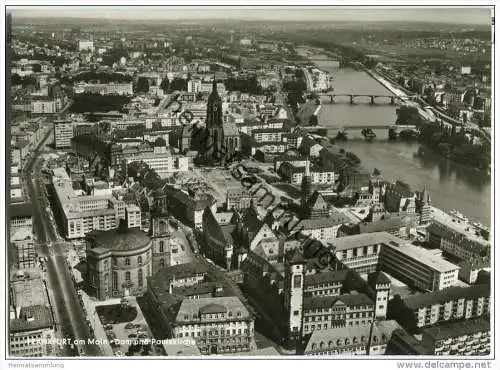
[
  {"x": 461, "y": 338},
  {"x": 399, "y": 197},
  {"x": 423, "y": 269},
  {"x": 296, "y": 161},
  {"x": 370, "y": 339},
  {"x": 422, "y": 310},
  {"x": 217, "y": 324},
  {"x": 118, "y": 262},
  {"x": 360, "y": 252},
  {"x": 456, "y": 243},
  {"x": 81, "y": 213},
  {"x": 163, "y": 162},
  {"x": 323, "y": 228},
  {"x": 85, "y": 45},
  {"x": 32, "y": 332},
  {"x": 327, "y": 283},
  {"x": 105, "y": 89},
  {"x": 346, "y": 310},
  {"x": 469, "y": 270},
  {"x": 239, "y": 199},
  {"x": 133, "y": 216},
  {"x": 20, "y": 218},
  {"x": 187, "y": 209},
  {"x": 63, "y": 133},
  {"x": 268, "y": 134},
  {"x": 319, "y": 174},
  {"x": 47, "y": 106},
  {"x": 16, "y": 190}
]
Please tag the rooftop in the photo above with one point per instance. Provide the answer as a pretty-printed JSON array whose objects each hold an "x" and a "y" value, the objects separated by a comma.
[
  {"x": 20, "y": 210},
  {"x": 361, "y": 240},
  {"x": 349, "y": 300},
  {"x": 190, "y": 309},
  {"x": 119, "y": 239},
  {"x": 378, "y": 333},
  {"x": 456, "y": 329},
  {"x": 446, "y": 295},
  {"x": 425, "y": 256},
  {"x": 32, "y": 318},
  {"x": 325, "y": 277}
]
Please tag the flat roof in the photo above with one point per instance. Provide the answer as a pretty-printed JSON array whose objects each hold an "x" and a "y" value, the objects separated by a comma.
[
  {"x": 20, "y": 210},
  {"x": 361, "y": 240},
  {"x": 424, "y": 256}
]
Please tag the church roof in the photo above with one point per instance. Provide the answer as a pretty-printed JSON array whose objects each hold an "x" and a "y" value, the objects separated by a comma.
[
  {"x": 251, "y": 219},
  {"x": 210, "y": 223},
  {"x": 230, "y": 129},
  {"x": 297, "y": 258},
  {"x": 316, "y": 201}
]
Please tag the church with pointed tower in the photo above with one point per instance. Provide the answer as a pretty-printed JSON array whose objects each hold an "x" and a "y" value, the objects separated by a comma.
[
  {"x": 313, "y": 205},
  {"x": 222, "y": 139}
]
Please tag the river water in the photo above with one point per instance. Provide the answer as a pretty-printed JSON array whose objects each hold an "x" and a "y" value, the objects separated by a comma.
[{"x": 451, "y": 186}]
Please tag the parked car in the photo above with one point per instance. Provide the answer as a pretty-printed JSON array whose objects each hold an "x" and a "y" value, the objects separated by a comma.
[
  {"x": 132, "y": 335},
  {"x": 108, "y": 327},
  {"x": 130, "y": 326}
]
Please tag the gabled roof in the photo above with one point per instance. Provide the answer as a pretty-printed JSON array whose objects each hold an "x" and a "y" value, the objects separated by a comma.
[
  {"x": 417, "y": 301},
  {"x": 325, "y": 277},
  {"x": 250, "y": 219},
  {"x": 212, "y": 308},
  {"x": 378, "y": 277},
  {"x": 316, "y": 201},
  {"x": 210, "y": 223},
  {"x": 349, "y": 300}
]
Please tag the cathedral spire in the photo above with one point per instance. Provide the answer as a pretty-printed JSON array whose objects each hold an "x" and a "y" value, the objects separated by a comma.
[
  {"x": 214, "y": 86},
  {"x": 307, "y": 171},
  {"x": 306, "y": 184}
]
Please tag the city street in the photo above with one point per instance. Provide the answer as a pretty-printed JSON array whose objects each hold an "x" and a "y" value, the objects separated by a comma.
[{"x": 68, "y": 311}]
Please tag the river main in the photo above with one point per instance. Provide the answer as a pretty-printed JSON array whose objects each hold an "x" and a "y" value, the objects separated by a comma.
[{"x": 451, "y": 186}]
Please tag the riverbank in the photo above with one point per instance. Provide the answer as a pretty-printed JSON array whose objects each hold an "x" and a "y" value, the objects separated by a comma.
[
  {"x": 399, "y": 93},
  {"x": 451, "y": 185},
  {"x": 306, "y": 110}
]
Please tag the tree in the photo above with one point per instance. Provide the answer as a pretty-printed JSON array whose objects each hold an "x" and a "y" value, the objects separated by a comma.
[
  {"x": 376, "y": 172},
  {"x": 37, "y": 68},
  {"x": 313, "y": 120},
  {"x": 142, "y": 85},
  {"x": 165, "y": 84},
  {"x": 160, "y": 142}
]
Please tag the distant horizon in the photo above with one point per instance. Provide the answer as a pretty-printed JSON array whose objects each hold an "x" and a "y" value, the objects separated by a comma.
[{"x": 472, "y": 16}]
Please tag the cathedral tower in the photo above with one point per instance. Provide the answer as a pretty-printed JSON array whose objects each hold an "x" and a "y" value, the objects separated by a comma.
[
  {"x": 214, "y": 149},
  {"x": 306, "y": 185}
]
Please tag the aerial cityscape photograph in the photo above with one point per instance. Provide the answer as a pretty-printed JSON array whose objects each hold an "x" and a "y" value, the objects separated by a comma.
[{"x": 249, "y": 182}]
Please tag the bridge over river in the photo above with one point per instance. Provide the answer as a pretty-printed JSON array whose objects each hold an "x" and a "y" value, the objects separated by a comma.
[{"x": 367, "y": 98}]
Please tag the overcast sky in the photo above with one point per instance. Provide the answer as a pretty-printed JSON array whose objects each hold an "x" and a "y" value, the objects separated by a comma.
[{"x": 470, "y": 16}]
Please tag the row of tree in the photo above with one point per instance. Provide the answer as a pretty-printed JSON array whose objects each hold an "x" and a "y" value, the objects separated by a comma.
[
  {"x": 98, "y": 103},
  {"x": 102, "y": 77},
  {"x": 455, "y": 144}
]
